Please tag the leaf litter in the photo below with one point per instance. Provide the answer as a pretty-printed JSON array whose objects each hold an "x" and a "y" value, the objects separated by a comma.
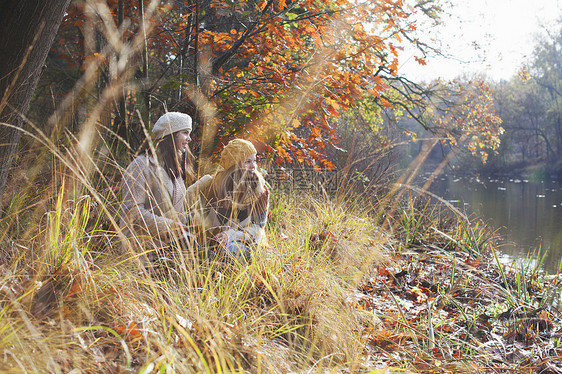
[{"x": 448, "y": 312}]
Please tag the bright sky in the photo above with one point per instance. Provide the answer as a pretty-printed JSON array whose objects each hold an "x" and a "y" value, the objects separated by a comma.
[{"x": 494, "y": 37}]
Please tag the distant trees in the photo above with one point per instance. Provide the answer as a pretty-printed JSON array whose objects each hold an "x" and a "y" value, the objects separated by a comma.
[
  {"x": 546, "y": 71},
  {"x": 521, "y": 106},
  {"x": 531, "y": 106}
]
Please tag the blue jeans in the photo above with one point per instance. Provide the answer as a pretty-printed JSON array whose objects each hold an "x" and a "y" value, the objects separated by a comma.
[{"x": 236, "y": 250}]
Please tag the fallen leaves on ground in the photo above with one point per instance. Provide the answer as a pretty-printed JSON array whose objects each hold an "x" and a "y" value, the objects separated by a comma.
[{"x": 448, "y": 312}]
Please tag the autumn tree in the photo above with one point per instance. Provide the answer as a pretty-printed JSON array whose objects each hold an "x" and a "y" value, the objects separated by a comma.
[
  {"x": 263, "y": 69},
  {"x": 465, "y": 113},
  {"x": 27, "y": 30}
]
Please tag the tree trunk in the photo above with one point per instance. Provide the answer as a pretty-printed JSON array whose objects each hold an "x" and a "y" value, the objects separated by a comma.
[
  {"x": 120, "y": 122},
  {"x": 27, "y": 31},
  {"x": 144, "y": 93}
]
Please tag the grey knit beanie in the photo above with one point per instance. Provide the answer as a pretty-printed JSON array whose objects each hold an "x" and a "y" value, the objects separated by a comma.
[{"x": 170, "y": 123}]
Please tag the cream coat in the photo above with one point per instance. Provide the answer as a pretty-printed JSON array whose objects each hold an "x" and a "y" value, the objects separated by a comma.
[{"x": 152, "y": 205}]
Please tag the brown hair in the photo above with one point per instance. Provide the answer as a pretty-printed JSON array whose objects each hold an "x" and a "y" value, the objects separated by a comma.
[{"x": 175, "y": 167}]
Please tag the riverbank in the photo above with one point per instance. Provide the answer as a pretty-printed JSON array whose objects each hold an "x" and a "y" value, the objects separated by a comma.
[
  {"x": 448, "y": 304},
  {"x": 450, "y": 313},
  {"x": 341, "y": 287},
  {"x": 532, "y": 170}
]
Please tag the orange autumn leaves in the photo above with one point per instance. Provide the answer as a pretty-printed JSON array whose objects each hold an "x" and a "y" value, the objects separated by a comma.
[
  {"x": 307, "y": 65},
  {"x": 299, "y": 62},
  {"x": 278, "y": 72}
]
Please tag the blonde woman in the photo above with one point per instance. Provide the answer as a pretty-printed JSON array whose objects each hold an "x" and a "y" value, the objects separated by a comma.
[
  {"x": 154, "y": 189},
  {"x": 231, "y": 206}
]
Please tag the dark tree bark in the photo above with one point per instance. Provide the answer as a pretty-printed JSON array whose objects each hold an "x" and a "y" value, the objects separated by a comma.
[
  {"x": 27, "y": 31},
  {"x": 120, "y": 121}
]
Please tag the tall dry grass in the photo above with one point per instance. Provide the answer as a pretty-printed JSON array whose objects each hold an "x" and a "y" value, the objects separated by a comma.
[{"x": 72, "y": 299}]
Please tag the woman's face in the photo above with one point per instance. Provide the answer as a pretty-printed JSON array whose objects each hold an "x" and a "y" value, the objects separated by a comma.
[
  {"x": 249, "y": 164},
  {"x": 182, "y": 139}
]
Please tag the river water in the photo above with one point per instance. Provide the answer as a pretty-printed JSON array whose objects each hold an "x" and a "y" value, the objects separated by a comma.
[{"x": 527, "y": 214}]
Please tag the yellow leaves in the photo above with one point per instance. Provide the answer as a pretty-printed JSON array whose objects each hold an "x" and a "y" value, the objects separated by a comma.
[
  {"x": 373, "y": 93},
  {"x": 315, "y": 132},
  {"x": 340, "y": 55},
  {"x": 412, "y": 135},
  {"x": 472, "y": 119},
  {"x": 358, "y": 28},
  {"x": 280, "y": 5},
  {"x": 333, "y": 103},
  {"x": 524, "y": 74},
  {"x": 385, "y": 102},
  {"x": 329, "y": 165},
  {"x": 261, "y": 6},
  {"x": 282, "y": 152},
  {"x": 451, "y": 139},
  {"x": 394, "y": 67},
  {"x": 333, "y": 107}
]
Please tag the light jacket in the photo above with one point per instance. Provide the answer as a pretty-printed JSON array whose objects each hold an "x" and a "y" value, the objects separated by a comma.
[{"x": 152, "y": 201}]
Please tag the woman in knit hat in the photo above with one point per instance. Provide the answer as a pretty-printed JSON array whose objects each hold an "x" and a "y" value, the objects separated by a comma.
[
  {"x": 231, "y": 206},
  {"x": 154, "y": 190}
]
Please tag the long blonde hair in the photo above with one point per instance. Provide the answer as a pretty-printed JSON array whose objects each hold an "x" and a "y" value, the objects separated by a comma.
[{"x": 237, "y": 187}]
